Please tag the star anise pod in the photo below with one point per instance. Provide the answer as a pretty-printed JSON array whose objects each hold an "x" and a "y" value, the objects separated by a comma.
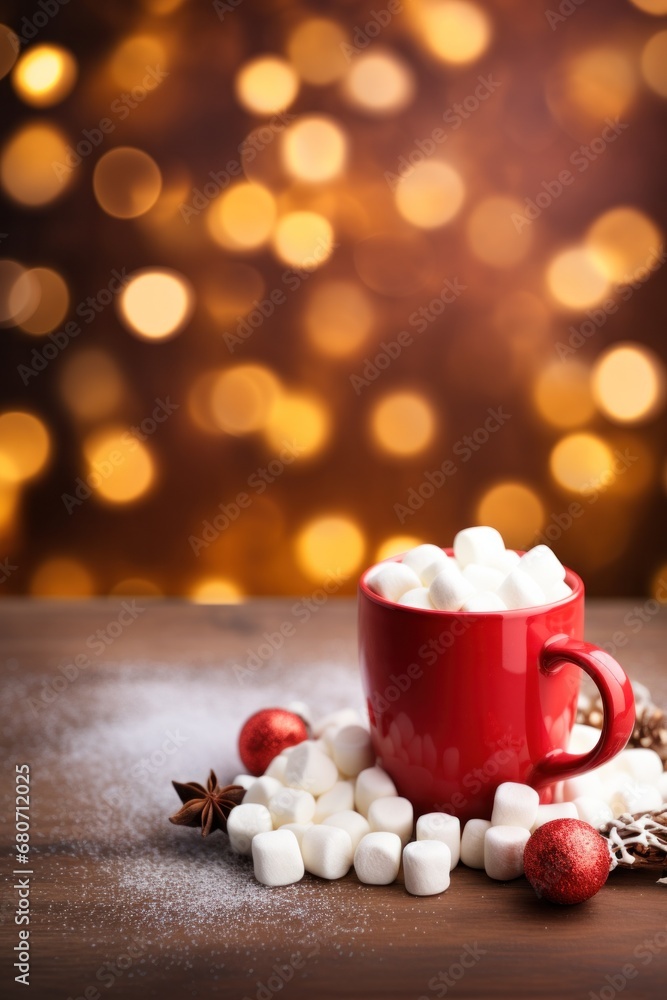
[{"x": 206, "y": 807}]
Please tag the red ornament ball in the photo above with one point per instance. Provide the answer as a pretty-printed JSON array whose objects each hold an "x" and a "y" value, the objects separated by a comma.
[
  {"x": 266, "y": 734},
  {"x": 566, "y": 861}
]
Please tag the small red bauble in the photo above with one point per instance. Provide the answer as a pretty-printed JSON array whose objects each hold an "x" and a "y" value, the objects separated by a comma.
[
  {"x": 566, "y": 861},
  {"x": 266, "y": 734}
]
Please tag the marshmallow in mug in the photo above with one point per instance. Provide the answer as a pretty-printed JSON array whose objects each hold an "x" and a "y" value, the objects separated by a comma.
[{"x": 482, "y": 576}]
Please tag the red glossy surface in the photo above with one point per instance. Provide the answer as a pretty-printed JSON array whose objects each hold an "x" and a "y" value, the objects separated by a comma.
[{"x": 460, "y": 702}]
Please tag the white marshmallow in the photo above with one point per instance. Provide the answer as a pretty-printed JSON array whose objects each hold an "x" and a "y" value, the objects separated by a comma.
[
  {"x": 392, "y": 814},
  {"x": 350, "y": 821},
  {"x": 441, "y": 826},
  {"x": 449, "y": 589},
  {"x": 244, "y": 822},
  {"x": 559, "y": 592},
  {"x": 302, "y": 710},
  {"x": 417, "y": 598},
  {"x": 518, "y": 590},
  {"x": 426, "y": 866},
  {"x": 483, "y": 577},
  {"x": 327, "y": 851},
  {"x": 641, "y": 764},
  {"x": 391, "y": 580},
  {"x": 310, "y": 769},
  {"x": 421, "y": 556},
  {"x": 503, "y": 851},
  {"x": 662, "y": 785},
  {"x": 482, "y": 602},
  {"x": 338, "y": 799},
  {"x": 583, "y": 738},
  {"x": 515, "y": 804},
  {"x": 276, "y": 768},
  {"x": 543, "y": 566},
  {"x": 262, "y": 790},
  {"x": 244, "y": 780},
  {"x": 588, "y": 785},
  {"x": 291, "y": 805},
  {"x": 555, "y": 810},
  {"x": 276, "y": 858},
  {"x": 352, "y": 751},
  {"x": 298, "y": 829},
  {"x": 480, "y": 544},
  {"x": 341, "y": 717},
  {"x": 472, "y": 842},
  {"x": 593, "y": 811},
  {"x": 505, "y": 561},
  {"x": 631, "y": 797},
  {"x": 429, "y": 574},
  {"x": 377, "y": 858},
  {"x": 372, "y": 784}
]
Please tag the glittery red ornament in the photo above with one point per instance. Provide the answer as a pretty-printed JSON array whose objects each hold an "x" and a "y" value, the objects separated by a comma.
[
  {"x": 566, "y": 861},
  {"x": 266, "y": 734}
]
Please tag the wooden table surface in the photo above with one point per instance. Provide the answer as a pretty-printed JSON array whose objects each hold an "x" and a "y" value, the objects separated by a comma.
[{"x": 107, "y": 703}]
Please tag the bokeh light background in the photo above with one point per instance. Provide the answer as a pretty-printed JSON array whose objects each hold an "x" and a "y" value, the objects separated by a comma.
[{"x": 216, "y": 217}]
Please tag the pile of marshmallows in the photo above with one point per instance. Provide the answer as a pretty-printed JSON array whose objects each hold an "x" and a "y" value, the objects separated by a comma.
[
  {"x": 323, "y": 806},
  {"x": 482, "y": 576}
]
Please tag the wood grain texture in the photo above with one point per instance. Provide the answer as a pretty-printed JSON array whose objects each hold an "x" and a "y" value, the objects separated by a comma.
[{"x": 115, "y": 883}]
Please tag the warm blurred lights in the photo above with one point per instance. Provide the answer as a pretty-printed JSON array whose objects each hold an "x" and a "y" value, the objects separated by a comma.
[
  {"x": 575, "y": 279},
  {"x": 299, "y": 420},
  {"x": 338, "y": 317},
  {"x": 51, "y": 301},
  {"x": 156, "y": 303},
  {"x": 62, "y": 577},
  {"x": 216, "y": 590},
  {"x": 655, "y": 7},
  {"x": 18, "y": 293},
  {"x": 315, "y": 50},
  {"x": 622, "y": 241},
  {"x": 131, "y": 60},
  {"x": 127, "y": 182},
  {"x": 582, "y": 462},
  {"x": 24, "y": 446},
  {"x": 562, "y": 394},
  {"x": 91, "y": 384},
  {"x": 330, "y": 545},
  {"x": 243, "y": 398},
  {"x": 266, "y": 85},
  {"x": 379, "y": 82},
  {"x": 492, "y": 236},
  {"x": 628, "y": 383},
  {"x": 303, "y": 239},
  {"x": 454, "y": 30},
  {"x": 9, "y": 49},
  {"x": 314, "y": 149},
  {"x": 396, "y": 545},
  {"x": 430, "y": 195},
  {"x": 230, "y": 290},
  {"x": 44, "y": 75},
  {"x": 9, "y": 495},
  {"x": 27, "y": 164},
  {"x": 135, "y": 586},
  {"x": 395, "y": 264},
  {"x": 243, "y": 217},
  {"x": 658, "y": 585},
  {"x": 597, "y": 84},
  {"x": 119, "y": 465},
  {"x": 403, "y": 423},
  {"x": 654, "y": 63},
  {"x": 515, "y": 510}
]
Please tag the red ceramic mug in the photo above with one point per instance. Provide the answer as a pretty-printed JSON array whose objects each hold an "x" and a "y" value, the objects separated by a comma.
[{"x": 462, "y": 701}]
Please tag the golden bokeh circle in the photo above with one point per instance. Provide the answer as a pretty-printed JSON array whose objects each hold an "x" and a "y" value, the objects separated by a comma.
[
  {"x": 127, "y": 182},
  {"x": 63, "y": 577},
  {"x": 216, "y": 590},
  {"x": 396, "y": 545},
  {"x": 430, "y": 195},
  {"x": 575, "y": 279},
  {"x": 492, "y": 234},
  {"x": 91, "y": 384},
  {"x": 243, "y": 397},
  {"x": 266, "y": 85},
  {"x": 338, "y": 317},
  {"x": 303, "y": 239},
  {"x": 379, "y": 83},
  {"x": 133, "y": 57},
  {"x": 24, "y": 446},
  {"x": 119, "y": 466},
  {"x": 156, "y": 303},
  {"x": 515, "y": 509},
  {"x": 582, "y": 462},
  {"x": 314, "y": 149},
  {"x": 628, "y": 383},
  {"x": 35, "y": 164},
  {"x": 52, "y": 301},
  {"x": 330, "y": 545},
  {"x": 44, "y": 75},
  {"x": 562, "y": 394},
  {"x": 403, "y": 423},
  {"x": 456, "y": 31},
  {"x": 243, "y": 217},
  {"x": 315, "y": 49},
  {"x": 623, "y": 241},
  {"x": 299, "y": 421},
  {"x": 10, "y": 47},
  {"x": 654, "y": 63}
]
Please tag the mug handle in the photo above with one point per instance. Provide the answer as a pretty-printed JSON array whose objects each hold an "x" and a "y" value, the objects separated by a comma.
[{"x": 618, "y": 706}]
